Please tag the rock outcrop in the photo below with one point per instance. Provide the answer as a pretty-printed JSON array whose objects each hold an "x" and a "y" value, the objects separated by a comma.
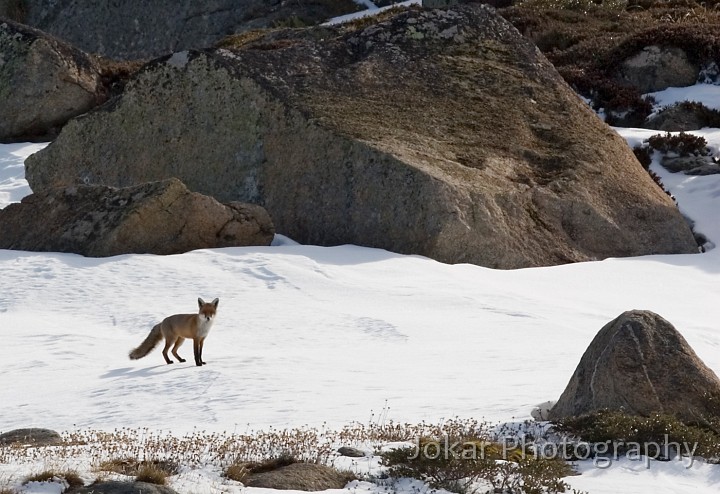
[
  {"x": 43, "y": 83},
  {"x": 437, "y": 132},
  {"x": 641, "y": 364},
  {"x": 157, "y": 218},
  {"x": 137, "y": 29}
]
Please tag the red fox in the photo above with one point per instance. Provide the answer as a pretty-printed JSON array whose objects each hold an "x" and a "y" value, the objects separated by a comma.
[{"x": 176, "y": 328}]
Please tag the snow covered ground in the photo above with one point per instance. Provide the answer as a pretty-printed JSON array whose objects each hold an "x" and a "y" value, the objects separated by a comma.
[
  {"x": 371, "y": 10},
  {"x": 13, "y": 185},
  {"x": 313, "y": 335}
]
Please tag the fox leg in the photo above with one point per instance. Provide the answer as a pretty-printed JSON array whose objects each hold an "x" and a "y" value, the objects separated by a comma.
[
  {"x": 168, "y": 344},
  {"x": 197, "y": 347},
  {"x": 177, "y": 344}
]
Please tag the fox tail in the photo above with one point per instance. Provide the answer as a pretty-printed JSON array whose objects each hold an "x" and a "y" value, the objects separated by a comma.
[{"x": 148, "y": 344}]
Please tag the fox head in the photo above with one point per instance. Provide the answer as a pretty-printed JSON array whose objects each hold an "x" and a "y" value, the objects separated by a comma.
[{"x": 207, "y": 311}]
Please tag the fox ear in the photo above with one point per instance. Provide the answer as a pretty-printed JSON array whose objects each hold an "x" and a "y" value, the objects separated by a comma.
[
  {"x": 216, "y": 302},
  {"x": 201, "y": 302}
]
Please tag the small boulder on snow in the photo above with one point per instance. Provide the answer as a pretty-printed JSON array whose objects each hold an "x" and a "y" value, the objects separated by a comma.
[
  {"x": 300, "y": 477},
  {"x": 351, "y": 452},
  {"x": 33, "y": 436},
  {"x": 641, "y": 364}
]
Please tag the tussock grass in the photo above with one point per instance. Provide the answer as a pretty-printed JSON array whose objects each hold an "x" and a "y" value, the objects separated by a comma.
[
  {"x": 152, "y": 475},
  {"x": 133, "y": 467}
]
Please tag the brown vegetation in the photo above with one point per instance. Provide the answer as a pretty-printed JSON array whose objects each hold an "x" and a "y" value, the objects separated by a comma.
[{"x": 586, "y": 41}]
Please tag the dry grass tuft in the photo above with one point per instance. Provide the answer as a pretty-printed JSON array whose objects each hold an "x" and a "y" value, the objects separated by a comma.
[
  {"x": 132, "y": 467},
  {"x": 152, "y": 475}
]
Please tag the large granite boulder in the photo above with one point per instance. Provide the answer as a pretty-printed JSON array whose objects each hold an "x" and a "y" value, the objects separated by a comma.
[
  {"x": 134, "y": 29},
  {"x": 157, "y": 218},
  {"x": 641, "y": 364},
  {"x": 43, "y": 83},
  {"x": 437, "y": 132}
]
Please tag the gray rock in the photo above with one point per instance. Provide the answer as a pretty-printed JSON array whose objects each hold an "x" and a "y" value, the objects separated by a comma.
[
  {"x": 690, "y": 165},
  {"x": 656, "y": 68},
  {"x": 34, "y": 436},
  {"x": 300, "y": 477},
  {"x": 116, "y": 487},
  {"x": 351, "y": 452},
  {"x": 641, "y": 364},
  {"x": 677, "y": 118},
  {"x": 134, "y": 29},
  {"x": 437, "y": 132},
  {"x": 708, "y": 169},
  {"x": 43, "y": 83},
  {"x": 158, "y": 218}
]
